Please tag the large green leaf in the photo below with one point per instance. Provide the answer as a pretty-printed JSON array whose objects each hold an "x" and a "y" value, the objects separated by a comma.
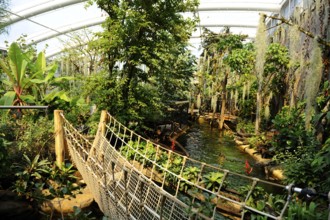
[
  {"x": 17, "y": 63},
  {"x": 41, "y": 62},
  {"x": 28, "y": 98},
  {"x": 38, "y": 81},
  {"x": 57, "y": 94},
  {"x": 8, "y": 98}
]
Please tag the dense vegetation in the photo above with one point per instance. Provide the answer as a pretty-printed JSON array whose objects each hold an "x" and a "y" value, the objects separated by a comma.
[{"x": 139, "y": 64}]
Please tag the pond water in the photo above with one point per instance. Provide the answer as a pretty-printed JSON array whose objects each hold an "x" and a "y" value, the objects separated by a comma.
[{"x": 210, "y": 146}]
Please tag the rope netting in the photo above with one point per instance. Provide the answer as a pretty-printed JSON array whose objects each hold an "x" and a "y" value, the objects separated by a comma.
[{"x": 131, "y": 177}]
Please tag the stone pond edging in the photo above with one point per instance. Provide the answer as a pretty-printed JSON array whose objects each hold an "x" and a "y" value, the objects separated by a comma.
[{"x": 274, "y": 172}]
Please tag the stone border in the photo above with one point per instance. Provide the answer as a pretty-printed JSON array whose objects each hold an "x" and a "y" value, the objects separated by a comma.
[{"x": 274, "y": 172}]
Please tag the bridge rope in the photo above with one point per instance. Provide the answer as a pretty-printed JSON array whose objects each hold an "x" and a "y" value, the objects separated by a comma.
[{"x": 131, "y": 177}]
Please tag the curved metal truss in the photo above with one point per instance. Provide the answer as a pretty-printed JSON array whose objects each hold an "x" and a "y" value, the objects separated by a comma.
[{"x": 33, "y": 9}]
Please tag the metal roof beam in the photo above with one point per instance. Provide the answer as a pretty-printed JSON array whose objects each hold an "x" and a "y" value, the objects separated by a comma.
[
  {"x": 34, "y": 10},
  {"x": 241, "y": 7},
  {"x": 39, "y": 37},
  {"x": 228, "y": 25}
]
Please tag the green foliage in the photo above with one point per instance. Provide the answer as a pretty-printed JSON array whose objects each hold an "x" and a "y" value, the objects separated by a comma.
[
  {"x": 242, "y": 60},
  {"x": 220, "y": 43},
  {"x": 144, "y": 52},
  {"x": 31, "y": 176},
  {"x": 35, "y": 176},
  {"x": 190, "y": 174},
  {"x": 276, "y": 67},
  {"x": 298, "y": 168},
  {"x": 15, "y": 70},
  {"x": 212, "y": 180},
  {"x": 303, "y": 211},
  {"x": 262, "y": 201},
  {"x": 35, "y": 136},
  {"x": 321, "y": 166},
  {"x": 29, "y": 78},
  {"x": 62, "y": 179},
  {"x": 206, "y": 207},
  {"x": 291, "y": 133},
  {"x": 4, "y": 159},
  {"x": 245, "y": 126},
  {"x": 297, "y": 150}
]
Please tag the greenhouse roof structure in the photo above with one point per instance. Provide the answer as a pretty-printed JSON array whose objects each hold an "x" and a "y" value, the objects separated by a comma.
[{"x": 49, "y": 22}]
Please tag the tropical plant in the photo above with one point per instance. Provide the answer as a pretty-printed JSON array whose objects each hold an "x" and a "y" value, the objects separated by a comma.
[
  {"x": 212, "y": 180},
  {"x": 291, "y": 133},
  {"x": 15, "y": 69},
  {"x": 30, "y": 80},
  {"x": 190, "y": 174},
  {"x": 303, "y": 211},
  {"x": 321, "y": 166},
  {"x": 62, "y": 180},
  {"x": 32, "y": 175}
]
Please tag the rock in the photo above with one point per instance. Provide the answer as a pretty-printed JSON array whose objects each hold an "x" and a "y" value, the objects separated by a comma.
[
  {"x": 13, "y": 207},
  {"x": 65, "y": 205}
]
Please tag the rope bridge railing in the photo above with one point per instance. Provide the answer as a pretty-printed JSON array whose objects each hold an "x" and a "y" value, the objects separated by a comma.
[{"x": 131, "y": 177}]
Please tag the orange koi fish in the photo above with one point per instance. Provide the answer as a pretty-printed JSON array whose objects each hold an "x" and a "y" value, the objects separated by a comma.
[{"x": 248, "y": 168}]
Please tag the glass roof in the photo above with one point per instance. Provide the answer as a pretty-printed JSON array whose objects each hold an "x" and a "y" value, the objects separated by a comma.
[{"x": 50, "y": 21}]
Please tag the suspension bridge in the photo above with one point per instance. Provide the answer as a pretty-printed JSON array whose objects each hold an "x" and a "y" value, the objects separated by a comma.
[{"x": 131, "y": 177}]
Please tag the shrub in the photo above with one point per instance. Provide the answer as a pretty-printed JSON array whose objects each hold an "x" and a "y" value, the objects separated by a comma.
[{"x": 291, "y": 133}]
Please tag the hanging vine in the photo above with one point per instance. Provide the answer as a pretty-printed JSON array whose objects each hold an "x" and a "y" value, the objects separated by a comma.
[
  {"x": 261, "y": 46},
  {"x": 313, "y": 81}
]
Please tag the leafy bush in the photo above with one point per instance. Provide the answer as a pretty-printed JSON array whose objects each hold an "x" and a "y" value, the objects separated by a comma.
[
  {"x": 32, "y": 176},
  {"x": 298, "y": 168},
  {"x": 321, "y": 165},
  {"x": 35, "y": 137},
  {"x": 302, "y": 211},
  {"x": 4, "y": 159},
  {"x": 291, "y": 133},
  {"x": 245, "y": 126},
  {"x": 212, "y": 180},
  {"x": 61, "y": 180},
  {"x": 190, "y": 174}
]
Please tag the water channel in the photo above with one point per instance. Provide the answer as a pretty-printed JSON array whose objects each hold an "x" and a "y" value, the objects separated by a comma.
[{"x": 208, "y": 145}]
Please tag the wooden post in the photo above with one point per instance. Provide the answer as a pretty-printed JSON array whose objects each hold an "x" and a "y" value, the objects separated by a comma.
[
  {"x": 59, "y": 138},
  {"x": 102, "y": 129},
  {"x": 103, "y": 120}
]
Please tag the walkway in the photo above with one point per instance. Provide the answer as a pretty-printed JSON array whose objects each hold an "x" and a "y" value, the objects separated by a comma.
[{"x": 133, "y": 178}]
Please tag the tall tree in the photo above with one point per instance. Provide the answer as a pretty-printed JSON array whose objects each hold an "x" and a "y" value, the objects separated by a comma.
[
  {"x": 145, "y": 42},
  {"x": 218, "y": 47}
]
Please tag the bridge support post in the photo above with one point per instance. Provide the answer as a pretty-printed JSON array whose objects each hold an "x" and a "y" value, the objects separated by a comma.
[
  {"x": 59, "y": 138},
  {"x": 103, "y": 120}
]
